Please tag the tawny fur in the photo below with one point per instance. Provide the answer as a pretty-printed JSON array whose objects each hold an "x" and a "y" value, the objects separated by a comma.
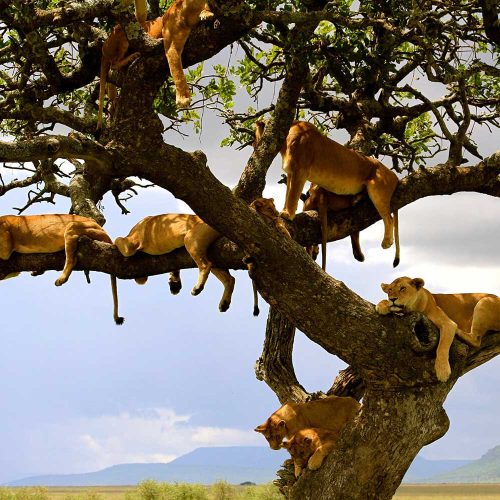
[
  {"x": 323, "y": 201},
  {"x": 161, "y": 234},
  {"x": 114, "y": 56},
  {"x": 469, "y": 315},
  {"x": 174, "y": 27},
  {"x": 309, "y": 448},
  {"x": 178, "y": 21},
  {"x": 48, "y": 234},
  {"x": 265, "y": 207},
  {"x": 331, "y": 413},
  {"x": 309, "y": 155}
]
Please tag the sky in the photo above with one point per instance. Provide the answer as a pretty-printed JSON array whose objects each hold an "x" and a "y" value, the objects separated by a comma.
[{"x": 78, "y": 393}]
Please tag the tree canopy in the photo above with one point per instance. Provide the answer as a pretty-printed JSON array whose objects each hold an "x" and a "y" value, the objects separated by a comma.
[{"x": 412, "y": 83}]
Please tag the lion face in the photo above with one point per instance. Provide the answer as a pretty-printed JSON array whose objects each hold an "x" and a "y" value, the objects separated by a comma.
[
  {"x": 301, "y": 446},
  {"x": 265, "y": 207},
  {"x": 403, "y": 291},
  {"x": 274, "y": 430}
]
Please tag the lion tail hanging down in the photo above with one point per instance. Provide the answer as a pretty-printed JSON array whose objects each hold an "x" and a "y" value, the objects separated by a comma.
[{"x": 396, "y": 238}]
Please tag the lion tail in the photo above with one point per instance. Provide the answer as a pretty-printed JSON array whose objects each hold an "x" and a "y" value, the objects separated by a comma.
[
  {"x": 256, "y": 310},
  {"x": 396, "y": 238},
  {"x": 323, "y": 217},
  {"x": 114, "y": 290}
]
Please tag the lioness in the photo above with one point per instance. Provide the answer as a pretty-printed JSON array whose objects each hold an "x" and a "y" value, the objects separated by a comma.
[
  {"x": 160, "y": 234},
  {"x": 322, "y": 201},
  {"x": 174, "y": 27},
  {"x": 266, "y": 208},
  {"x": 330, "y": 413},
  {"x": 178, "y": 21},
  {"x": 49, "y": 234},
  {"x": 469, "y": 315},
  {"x": 309, "y": 155},
  {"x": 310, "y": 447}
]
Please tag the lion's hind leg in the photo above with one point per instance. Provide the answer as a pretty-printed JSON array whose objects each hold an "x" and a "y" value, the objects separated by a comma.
[
  {"x": 197, "y": 241},
  {"x": 380, "y": 189},
  {"x": 174, "y": 44},
  {"x": 72, "y": 232},
  {"x": 486, "y": 316},
  {"x": 174, "y": 282},
  {"x": 228, "y": 281}
]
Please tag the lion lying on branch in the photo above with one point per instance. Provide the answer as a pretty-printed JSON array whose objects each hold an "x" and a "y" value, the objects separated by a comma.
[
  {"x": 48, "y": 234},
  {"x": 469, "y": 315}
]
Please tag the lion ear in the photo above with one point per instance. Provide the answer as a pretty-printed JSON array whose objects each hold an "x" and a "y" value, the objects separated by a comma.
[
  {"x": 418, "y": 283},
  {"x": 385, "y": 287},
  {"x": 282, "y": 423},
  {"x": 307, "y": 440},
  {"x": 256, "y": 204},
  {"x": 261, "y": 428},
  {"x": 285, "y": 444}
]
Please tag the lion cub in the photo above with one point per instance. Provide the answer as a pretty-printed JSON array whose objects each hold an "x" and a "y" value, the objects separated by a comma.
[
  {"x": 330, "y": 413},
  {"x": 469, "y": 315},
  {"x": 160, "y": 234},
  {"x": 48, "y": 234},
  {"x": 310, "y": 447}
]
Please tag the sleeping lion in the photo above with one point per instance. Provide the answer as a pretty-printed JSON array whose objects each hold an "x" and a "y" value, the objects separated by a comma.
[{"x": 469, "y": 315}]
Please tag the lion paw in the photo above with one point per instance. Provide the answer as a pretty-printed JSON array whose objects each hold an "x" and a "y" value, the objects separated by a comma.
[
  {"x": 60, "y": 281},
  {"x": 314, "y": 463},
  {"x": 387, "y": 243},
  {"x": 182, "y": 102},
  {"x": 197, "y": 290},
  {"x": 443, "y": 370},
  {"x": 285, "y": 215},
  {"x": 224, "y": 305},
  {"x": 206, "y": 14}
]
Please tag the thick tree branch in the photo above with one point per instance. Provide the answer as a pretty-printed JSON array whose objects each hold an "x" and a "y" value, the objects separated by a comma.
[{"x": 55, "y": 146}]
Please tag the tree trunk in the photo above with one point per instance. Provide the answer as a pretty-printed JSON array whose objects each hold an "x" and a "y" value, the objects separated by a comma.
[{"x": 376, "y": 449}]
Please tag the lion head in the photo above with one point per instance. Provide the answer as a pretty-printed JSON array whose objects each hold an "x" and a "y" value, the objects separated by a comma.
[
  {"x": 265, "y": 207},
  {"x": 274, "y": 430},
  {"x": 302, "y": 445},
  {"x": 403, "y": 292}
]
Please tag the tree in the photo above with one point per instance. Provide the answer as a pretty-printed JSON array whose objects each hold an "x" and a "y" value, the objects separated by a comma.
[{"x": 338, "y": 65}]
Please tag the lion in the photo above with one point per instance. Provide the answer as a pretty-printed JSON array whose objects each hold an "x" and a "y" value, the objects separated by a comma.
[
  {"x": 330, "y": 413},
  {"x": 322, "y": 201},
  {"x": 469, "y": 315},
  {"x": 309, "y": 447},
  {"x": 160, "y": 234},
  {"x": 178, "y": 21},
  {"x": 309, "y": 155},
  {"x": 266, "y": 208},
  {"x": 174, "y": 27},
  {"x": 48, "y": 234}
]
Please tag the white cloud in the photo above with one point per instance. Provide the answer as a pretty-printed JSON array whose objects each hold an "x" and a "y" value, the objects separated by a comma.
[{"x": 92, "y": 443}]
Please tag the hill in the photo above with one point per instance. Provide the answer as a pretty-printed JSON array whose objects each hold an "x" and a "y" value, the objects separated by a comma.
[
  {"x": 203, "y": 465},
  {"x": 207, "y": 465},
  {"x": 484, "y": 470}
]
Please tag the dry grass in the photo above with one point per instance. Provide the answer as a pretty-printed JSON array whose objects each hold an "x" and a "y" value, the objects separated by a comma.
[
  {"x": 261, "y": 492},
  {"x": 448, "y": 491}
]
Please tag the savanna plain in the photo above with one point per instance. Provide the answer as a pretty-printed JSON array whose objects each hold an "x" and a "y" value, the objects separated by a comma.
[{"x": 152, "y": 490}]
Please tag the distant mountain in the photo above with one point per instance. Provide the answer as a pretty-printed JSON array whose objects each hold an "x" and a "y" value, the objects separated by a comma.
[
  {"x": 421, "y": 469},
  {"x": 204, "y": 465},
  {"x": 237, "y": 464},
  {"x": 484, "y": 470}
]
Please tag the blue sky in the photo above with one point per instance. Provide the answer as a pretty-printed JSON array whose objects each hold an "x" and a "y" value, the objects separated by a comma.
[{"x": 79, "y": 393}]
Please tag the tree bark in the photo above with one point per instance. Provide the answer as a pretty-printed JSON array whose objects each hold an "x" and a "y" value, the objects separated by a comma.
[{"x": 376, "y": 449}]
